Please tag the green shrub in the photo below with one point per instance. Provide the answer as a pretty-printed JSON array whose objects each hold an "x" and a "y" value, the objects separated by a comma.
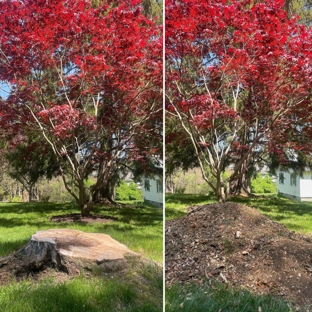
[
  {"x": 45, "y": 199},
  {"x": 263, "y": 185},
  {"x": 180, "y": 190},
  {"x": 17, "y": 199},
  {"x": 189, "y": 182},
  {"x": 129, "y": 191},
  {"x": 54, "y": 191}
]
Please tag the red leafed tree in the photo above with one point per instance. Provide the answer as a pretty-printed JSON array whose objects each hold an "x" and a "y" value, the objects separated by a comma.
[
  {"x": 86, "y": 78},
  {"x": 238, "y": 78}
]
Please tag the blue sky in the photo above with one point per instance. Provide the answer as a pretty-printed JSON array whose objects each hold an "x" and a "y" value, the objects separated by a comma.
[{"x": 4, "y": 89}]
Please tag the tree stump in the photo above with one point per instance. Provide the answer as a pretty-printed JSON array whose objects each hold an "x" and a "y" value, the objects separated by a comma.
[{"x": 70, "y": 251}]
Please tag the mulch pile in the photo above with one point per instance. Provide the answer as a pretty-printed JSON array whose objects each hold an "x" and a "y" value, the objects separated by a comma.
[
  {"x": 235, "y": 244},
  {"x": 77, "y": 217}
]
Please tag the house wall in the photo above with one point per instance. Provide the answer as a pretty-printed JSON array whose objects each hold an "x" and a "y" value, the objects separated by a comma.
[
  {"x": 302, "y": 191},
  {"x": 155, "y": 194},
  {"x": 306, "y": 187},
  {"x": 286, "y": 189}
]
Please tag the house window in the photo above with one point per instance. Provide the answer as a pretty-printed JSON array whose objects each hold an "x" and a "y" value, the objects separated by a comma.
[
  {"x": 147, "y": 185},
  {"x": 159, "y": 187},
  {"x": 293, "y": 179},
  {"x": 281, "y": 178}
]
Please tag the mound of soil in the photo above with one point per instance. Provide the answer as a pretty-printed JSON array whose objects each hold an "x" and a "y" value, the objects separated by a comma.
[{"x": 236, "y": 245}]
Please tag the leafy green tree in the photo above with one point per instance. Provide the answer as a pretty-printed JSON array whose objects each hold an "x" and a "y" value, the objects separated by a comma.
[
  {"x": 29, "y": 161},
  {"x": 53, "y": 191},
  {"x": 302, "y": 8},
  {"x": 153, "y": 8}
]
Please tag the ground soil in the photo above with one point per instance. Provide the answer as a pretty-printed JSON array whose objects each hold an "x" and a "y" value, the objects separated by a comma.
[
  {"x": 235, "y": 244},
  {"x": 77, "y": 217},
  {"x": 15, "y": 269}
]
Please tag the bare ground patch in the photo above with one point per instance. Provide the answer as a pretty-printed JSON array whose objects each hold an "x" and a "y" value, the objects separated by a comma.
[{"x": 77, "y": 217}]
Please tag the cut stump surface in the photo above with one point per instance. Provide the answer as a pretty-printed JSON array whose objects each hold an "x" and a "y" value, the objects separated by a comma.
[
  {"x": 78, "y": 244},
  {"x": 68, "y": 251}
]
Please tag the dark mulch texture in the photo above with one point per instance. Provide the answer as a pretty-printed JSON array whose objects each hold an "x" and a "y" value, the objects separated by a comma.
[{"x": 236, "y": 245}]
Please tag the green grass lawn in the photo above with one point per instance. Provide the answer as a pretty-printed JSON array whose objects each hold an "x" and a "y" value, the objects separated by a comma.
[
  {"x": 215, "y": 298},
  {"x": 297, "y": 216},
  {"x": 176, "y": 205},
  {"x": 140, "y": 228}
]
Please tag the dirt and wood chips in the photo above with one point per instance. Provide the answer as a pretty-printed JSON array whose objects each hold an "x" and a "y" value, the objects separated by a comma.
[{"x": 236, "y": 245}]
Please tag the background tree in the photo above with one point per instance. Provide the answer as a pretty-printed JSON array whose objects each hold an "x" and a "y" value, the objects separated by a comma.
[
  {"x": 238, "y": 79},
  {"x": 30, "y": 161},
  {"x": 153, "y": 8},
  {"x": 10, "y": 189},
  {"x": 86, "y": 78},
  {"x": 302, "y": 8}
]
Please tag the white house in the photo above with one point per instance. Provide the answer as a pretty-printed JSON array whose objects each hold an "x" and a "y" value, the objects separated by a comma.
[
  {"x": 153, "y": 190},
  {"x": 294, "y": 186}
]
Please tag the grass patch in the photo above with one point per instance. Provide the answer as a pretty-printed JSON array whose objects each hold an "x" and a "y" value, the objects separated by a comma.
[
  {"x": 139, "y": 228},
  {"x": 176, "y": 205},
  {"x": 219, "y": 298},
  {"x": 296, "y": 216},
  {"x": 79, "y": 294}
]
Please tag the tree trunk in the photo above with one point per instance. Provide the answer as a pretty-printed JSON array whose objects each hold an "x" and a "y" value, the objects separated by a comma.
[
  {"x": 25, "y": 196},
  {"x": 241, "y": 186},
  {"x": 105, "y": 191},
  {"x": 85, "y": 209},
  {"x": 68, "y": 251},
  {"x": 83, "y": 203},
  {"x": 30, "y": 193},
  {"x": 220, "y": 190}
]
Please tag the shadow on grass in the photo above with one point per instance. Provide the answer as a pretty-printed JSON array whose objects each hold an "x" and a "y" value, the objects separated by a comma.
[
  {"x": 46, "y": 208},
  {"x": 136, "y": 216},
  {"x": 187, "y": 199},
  {"x": 276, "y": 204},
  {"x": 265, "y": 203},
  {"x": 44, "y": 211},
  {"x": 42, "y": 223},
  {"x": 172, "y": 213},
  {"x": 176, "y": 204}
]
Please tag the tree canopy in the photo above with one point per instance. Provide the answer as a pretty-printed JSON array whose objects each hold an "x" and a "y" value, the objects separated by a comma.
[
  {"x": 86, "y": 78},
  {"x": 238, "y": 79}
]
